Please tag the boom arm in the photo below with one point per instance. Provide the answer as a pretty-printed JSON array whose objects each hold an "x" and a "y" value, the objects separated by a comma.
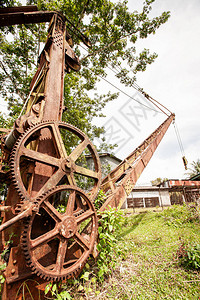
[{"x": 130, "y": 169}]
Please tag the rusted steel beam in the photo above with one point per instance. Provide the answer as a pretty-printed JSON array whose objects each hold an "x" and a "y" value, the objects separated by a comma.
[
  {"x": 183, "y": 183},
  {"x": 23, "y": 17},
  {"x": 133, "y": 172},
  {"x": 24, "y": 214},
  {"x": 15, "y": 9},
  {"x": 5, "y": 130},
  {"x": 4, "y": 208},
  {"x": 119, "y": 172}
]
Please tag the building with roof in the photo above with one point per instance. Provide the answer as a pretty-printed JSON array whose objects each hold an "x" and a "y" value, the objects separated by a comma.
[{"x": 172, "y": 191}]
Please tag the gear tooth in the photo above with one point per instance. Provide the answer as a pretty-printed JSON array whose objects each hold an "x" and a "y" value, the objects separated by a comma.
[
  {"x": 33, "y": 268},
  {"x": 38, "y": 273}
]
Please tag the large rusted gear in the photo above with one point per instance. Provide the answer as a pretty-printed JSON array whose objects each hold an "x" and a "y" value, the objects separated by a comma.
[
  {"x": 64, "y": 167},
  {"x": 60, "y": 236}
]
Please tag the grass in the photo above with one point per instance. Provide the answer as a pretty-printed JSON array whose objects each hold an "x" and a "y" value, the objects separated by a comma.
[
  {"x": 143, "y": 258},
  {"x": 149, "y": 267}
]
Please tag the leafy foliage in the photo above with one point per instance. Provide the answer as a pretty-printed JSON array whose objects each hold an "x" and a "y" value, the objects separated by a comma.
[
  {"x": 157, "y": 181},
  {"x": 100, "y": 199},
  {"x": 181, "y": 215},
  {"x": 109, "y": 228},
  {"x": 53, "y": 289},
  {"x": 195, "y": 169},
  {"x": 189, "y": 255},
  {"x": 113, "y": 32}
]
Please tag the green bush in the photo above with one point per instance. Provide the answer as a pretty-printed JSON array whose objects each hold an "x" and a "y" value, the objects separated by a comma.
[
  {"x": 109, "y": 227},
  {"x": 189, "y": 255},
  {"x": 179, "y": 216}
]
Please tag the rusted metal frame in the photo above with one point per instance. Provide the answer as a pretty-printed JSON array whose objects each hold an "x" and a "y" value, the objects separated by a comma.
[
  {"x": 53, "y": 54},
  {"x": 111, "y": 183},
  {"x": 125, "y": 164},
  {"x": 4, "y": 208},
  {"x": 49, "y": 92},
  {"x": 38, "y": 90},
  {"x": 22, "y": 215},
  {"x": 31, "y": 17},
  {"x": 15, "y": 199},
  {"x": 15, "y": 9},
  {"x": 128, "y": 182},
  {"x": 5, "y": 130},
  {"x": 55, "y": 75}
]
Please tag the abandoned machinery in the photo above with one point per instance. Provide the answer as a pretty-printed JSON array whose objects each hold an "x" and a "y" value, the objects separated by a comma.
[{"x": 49, "y": 205}]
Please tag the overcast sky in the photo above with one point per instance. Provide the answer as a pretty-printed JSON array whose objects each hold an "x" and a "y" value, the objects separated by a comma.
[{"x": 173, "y": 79}]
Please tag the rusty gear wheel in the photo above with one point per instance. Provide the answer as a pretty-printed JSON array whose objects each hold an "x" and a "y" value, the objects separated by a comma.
[
  {"x": 41, "y": 159},
  {"x": 59, "y": 238}
]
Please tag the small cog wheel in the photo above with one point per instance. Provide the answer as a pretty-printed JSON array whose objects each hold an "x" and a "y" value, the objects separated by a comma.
[
  {"x": 60, "y": 236},
  {"x": 42, "y": 159}
]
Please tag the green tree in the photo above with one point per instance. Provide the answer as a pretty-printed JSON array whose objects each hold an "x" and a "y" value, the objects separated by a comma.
[
  {"x": 195, "y": 169},
  {"x": 157, "y": 181},
  {"x": 113, "y": 31}
]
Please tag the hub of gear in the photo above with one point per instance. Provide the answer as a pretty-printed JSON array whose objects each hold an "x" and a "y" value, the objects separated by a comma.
[{"x": 60, "y": 236}]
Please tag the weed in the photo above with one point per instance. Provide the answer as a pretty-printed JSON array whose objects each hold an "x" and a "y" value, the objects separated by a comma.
[
  {"x": 26, "y": 287},
  {"x": 189, "y": 255},
  {"x": 109, "y": 228},
  {"x": 57, "y": 292},
  {"x": 99, "y": 200},
  {"x": 179, "y": 216},
  {"x": 136, "y": 259}
]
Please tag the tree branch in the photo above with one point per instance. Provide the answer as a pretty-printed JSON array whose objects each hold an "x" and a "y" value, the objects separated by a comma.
[
  {"x": 107, "y": 46},
  {"x": 83, "y": 12},
  {"x": 12, "y": 81}
]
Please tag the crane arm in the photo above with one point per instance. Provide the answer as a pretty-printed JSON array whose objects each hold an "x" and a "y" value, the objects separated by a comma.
[{"x": 130, "y": 169}]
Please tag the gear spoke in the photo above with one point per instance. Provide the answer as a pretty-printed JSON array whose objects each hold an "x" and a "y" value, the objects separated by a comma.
[
  {"x": 84, "y": 216},
  {"x": 79, "y": 150},
  {"x": 39, "y": 241},
  {"x": 71, "y": 179},
  {"x": 81, "y": 241},
  {"x": 61, "y": 256},
  {"x": 53, "y": 181},
  {"x": 40, "y": 157},
  {"x": 51, "y": 211},
  {"x": 59, "y": 141},
  {"x": 86, "y": 172},
  {"x": 70, "y": 204}
]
